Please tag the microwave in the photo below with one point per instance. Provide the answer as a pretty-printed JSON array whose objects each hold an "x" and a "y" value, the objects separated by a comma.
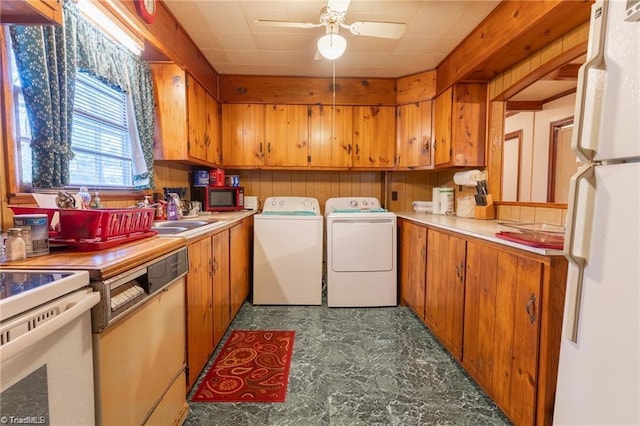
[{"x": 219, "y": 198}]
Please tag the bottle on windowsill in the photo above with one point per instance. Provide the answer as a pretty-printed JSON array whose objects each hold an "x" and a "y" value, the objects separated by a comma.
[{"x": 96, "y": 203}]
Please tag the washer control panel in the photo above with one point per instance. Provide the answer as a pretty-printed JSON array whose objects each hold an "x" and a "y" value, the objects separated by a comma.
[
  {"x": 291, "y": 204},
  {"x": 351, "y": 203}
]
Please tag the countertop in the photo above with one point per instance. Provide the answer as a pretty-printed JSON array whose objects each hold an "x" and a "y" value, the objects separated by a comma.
[
  {"x": 482, "y": 229},
  {"x": 107, "y": 263}
]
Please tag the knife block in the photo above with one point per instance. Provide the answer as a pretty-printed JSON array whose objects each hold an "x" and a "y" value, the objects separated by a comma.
[{"x": 486, "y": 212}]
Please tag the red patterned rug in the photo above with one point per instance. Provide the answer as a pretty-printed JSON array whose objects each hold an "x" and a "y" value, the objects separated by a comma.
[{"x": 253, "y": 366}]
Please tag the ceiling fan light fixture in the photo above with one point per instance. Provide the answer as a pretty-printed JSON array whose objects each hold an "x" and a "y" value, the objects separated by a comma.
[{"x": 332, "y": 45}]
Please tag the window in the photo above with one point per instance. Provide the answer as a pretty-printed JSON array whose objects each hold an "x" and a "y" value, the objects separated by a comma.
[
  {"x": 100, "y": 136},
  {"x": 99, "y": 139}
]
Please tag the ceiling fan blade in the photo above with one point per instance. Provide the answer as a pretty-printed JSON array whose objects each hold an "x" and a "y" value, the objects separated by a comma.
[
  {"x": 377, "y": 29},
  {"x": 285, "y": 24},
  {"x": 338, "y": 5}
]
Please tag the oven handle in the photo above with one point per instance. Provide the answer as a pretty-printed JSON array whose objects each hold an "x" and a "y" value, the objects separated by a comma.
[{"x": 23, "y": 342}]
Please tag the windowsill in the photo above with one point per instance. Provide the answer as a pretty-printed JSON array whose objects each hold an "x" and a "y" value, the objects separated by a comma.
[{"x": 22, "y": 198}]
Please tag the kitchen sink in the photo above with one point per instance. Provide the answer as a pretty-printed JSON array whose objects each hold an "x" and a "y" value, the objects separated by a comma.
[
  {"x": 181, "y": 227},
  {"x": 168, "y": 230},
  {"x": 188, "y": 224}
]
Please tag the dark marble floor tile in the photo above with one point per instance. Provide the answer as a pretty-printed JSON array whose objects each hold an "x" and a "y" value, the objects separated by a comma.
[{"x": 356, "y": 366}]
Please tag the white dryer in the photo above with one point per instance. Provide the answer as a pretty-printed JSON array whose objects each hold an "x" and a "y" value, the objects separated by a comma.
[
  {"x": 361, "y": 253},
  {"x": 287, "y": 252}
]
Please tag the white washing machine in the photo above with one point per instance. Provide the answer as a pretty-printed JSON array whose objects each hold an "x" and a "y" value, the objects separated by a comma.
[
  {"x": 287, "y": 257},
  {"x": 361, "y": 253}
]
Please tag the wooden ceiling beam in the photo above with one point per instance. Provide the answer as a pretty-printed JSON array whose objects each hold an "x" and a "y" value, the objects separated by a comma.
[
  {"x": 511, "y": 32},
  {"x": 513, "y": 106},
  {"x": 568, "y": 72}
]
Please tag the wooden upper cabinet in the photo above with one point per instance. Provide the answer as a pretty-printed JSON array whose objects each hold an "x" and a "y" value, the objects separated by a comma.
[
  {"x": 331, "y": 136},
  {"x": 414, "y": 135},
  {"x": 374, "y": 133},
  {"x": 459, "y": 126},
  {"x": 197, "y": 119},
  {"x": 183, "y": 131},
  {"x": 213, "y": 140},
  {"x": 31, "y": 12},
  {"x": 243, "y": 135},
  {"x": 287, "y": 135}
]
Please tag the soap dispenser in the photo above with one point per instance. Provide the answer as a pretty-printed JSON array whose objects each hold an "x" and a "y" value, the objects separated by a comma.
[{"x": 172, "y": 209}]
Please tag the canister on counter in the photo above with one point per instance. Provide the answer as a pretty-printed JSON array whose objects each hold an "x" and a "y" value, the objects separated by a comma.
[
  {"x": 35, "y": 232},
  {"x": 201, "y": 178},
  {"x": 447, "y": 201}
]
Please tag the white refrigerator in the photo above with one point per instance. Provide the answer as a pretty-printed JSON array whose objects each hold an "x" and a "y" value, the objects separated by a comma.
[{"x": 599, "y": 368}]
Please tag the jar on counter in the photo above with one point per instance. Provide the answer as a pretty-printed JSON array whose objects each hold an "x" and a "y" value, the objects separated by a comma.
[
  {"x": 15, "y": 247},
  {"x": 447, "y": 201}
]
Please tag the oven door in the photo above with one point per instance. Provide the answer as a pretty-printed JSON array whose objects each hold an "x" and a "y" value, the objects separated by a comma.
[{"x": 46, "y": 363}]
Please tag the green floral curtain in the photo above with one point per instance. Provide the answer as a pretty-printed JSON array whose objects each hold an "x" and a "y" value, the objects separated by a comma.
[
  {"x": 93, "y": 52},
  {"x": 45, "y": 57}
]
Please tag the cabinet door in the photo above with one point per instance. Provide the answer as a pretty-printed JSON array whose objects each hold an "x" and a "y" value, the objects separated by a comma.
[
  {"x": 221, "y": 297},
  {"x": 243, "y": 135},
  {"x": 212, "y": 133},
  {"x": 442, "y": 128},
  {"x": 197, "y": 118},
  {"x": 468, "y": 124},
  {"x": 502, "y": 327},
  {"x": 374, "y": 132},
  {"x": 414, "y": 135},
  {"x": 444, "y": 310},
  {"x": 413, "y": 255},
  {"x": 239, "y": 269},
  {"x": 287, "y": 135},
  {"x": 41, "y": 12},
  {"x": 199, "y": 305},
  {"x": 171, "y": 134},
  {"x": 331, "y": 136},
  {"x": 426, "y": 133}
]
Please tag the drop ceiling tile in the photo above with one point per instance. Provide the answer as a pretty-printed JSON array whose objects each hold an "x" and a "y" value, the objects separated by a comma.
[
  {"x": 226, "y": 32},
  {"x": 236, "y": 41}
]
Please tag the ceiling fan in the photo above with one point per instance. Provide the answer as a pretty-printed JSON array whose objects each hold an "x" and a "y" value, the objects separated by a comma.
[{"x": 332, "y": 45}]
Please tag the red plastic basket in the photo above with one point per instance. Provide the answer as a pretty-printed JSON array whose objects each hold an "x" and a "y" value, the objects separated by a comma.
[{"x": 97, "y": 229}]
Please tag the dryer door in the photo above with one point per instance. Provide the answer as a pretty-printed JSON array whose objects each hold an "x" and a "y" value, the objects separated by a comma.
[{"x": 362, "y": 245}]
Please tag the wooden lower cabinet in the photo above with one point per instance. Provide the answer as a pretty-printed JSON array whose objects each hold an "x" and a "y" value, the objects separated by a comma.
[
  {"x": 221, "y": 292},
  {"x": 498, "y": 310},
  {"x": 413, "y": 252},
  {"x": 239, "y": 260},
  {"x": 217, "y": 285},
  {"x": 445, "y": 289},
  {"x": 502, "y": 327},
  {"x": 199, "y": 308}
]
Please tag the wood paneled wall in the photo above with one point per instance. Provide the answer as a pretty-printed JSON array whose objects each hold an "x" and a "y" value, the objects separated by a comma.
[
  {"x": 413, "y": 186},
  {"x": 316, "y": 184},
  {"x": 560, "y": 51},
  {"x": 507, "y": 36},
  {"x": 570, "y": 46}
]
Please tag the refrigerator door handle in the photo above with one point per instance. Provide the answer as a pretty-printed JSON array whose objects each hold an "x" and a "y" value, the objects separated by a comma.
[
  {"x": 576, "y": 262},
  {"x": 595, "y": 59}
]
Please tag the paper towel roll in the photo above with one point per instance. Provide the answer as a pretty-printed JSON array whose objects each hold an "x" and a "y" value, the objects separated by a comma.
[
  {"x": 469, "y": 177},
  {"x": 435, "y": 209}
]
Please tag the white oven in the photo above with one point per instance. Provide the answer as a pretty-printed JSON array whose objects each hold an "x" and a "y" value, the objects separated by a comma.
[{"x": 46, "y": 357}]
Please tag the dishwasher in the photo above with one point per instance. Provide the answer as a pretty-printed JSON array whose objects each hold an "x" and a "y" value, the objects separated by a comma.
[{"x": 139, "y": 344}]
